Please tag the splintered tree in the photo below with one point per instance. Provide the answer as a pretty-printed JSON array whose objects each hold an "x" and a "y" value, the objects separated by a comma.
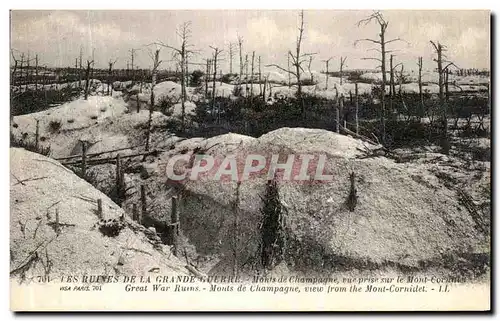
[
  {"x": 246, "y": 75},
  {"x": 273, "y": 243},
  {"x": 81, "y": 68},
  {"x": 297, "y": 60},
  {"x": 240, "y": 46},
  {"x": 28, "y": 60},
  {"x": 251, "y": 75},
  {"x": 327, "y": 61},
  {"x": 309, "y": 69},
  {"x": 260, "y": 78},
  {"x": 14, "y": 69},
  {"x": 184, "y": 33},
  {"x": 441, "y": 60},
  {"x": 216, "y": 54},
  {"x": 155, "y": 57},
  {"x": 288, "y": 71},
  {"x": 21, "y": 68},
  {"x": 110, "y": 75},
  {"x": 392, "y": 84},
  {"x": 342, "y": 65},
  {"x": 207, "y": 76},
  {"x": 132, "y": 57},
  {"x": 87, "y": 77},
  {"x": 36, "y": 72},
  {"x": 382, "y": 42},
  {"x": 420, "y": 93},
  {"x": 231, "y": 56}
]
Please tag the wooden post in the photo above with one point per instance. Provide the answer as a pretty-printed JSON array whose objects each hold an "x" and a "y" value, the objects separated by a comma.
[
  {"x": 37, "y": 133},
  {"x": 357, "y": 106},
  {"x": 118, "y": 170},
  {"x": 99, "y": 208},
  {"x": 342, "y": 106},
  {"x": 118, "y": 180},
  {"x": 84, "y": 158},
  {"x": 337, "y": 129},
  {"x": 135, "y": 215},
  {"x": 57, "y": 221},
  {"x": 138, "y": 103},
  {"x": 174, "y": 223},
  {"x": 143, "y": 203}
]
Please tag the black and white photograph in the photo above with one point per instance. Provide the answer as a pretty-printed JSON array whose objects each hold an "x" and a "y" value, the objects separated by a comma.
[{"x": 250, "y": 160}]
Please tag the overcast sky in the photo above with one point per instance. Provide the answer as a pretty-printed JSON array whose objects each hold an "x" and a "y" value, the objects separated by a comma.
[{"x": 57, "y": 36}]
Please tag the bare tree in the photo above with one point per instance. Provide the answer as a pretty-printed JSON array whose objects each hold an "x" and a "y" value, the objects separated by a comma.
[
  {"x": 392, "y": 85},
  {"x": 155, "y": 57},
  {"x": 240, "y": 46},
  {"x": 327, "y": 61},
  {"x": 420, "y": 93},
  {"x": 27, "y": 77},
  {"x": 14, "y": 69},
  {"x": 263, "y": 92},
  {"x": 246, "y": 75},
  {"x": 391, "y": 77},
  {"x": 231, "y": 56},
  {"x": 81, "y": 68},
  {"x": 216, "y": 54},
  {"x": 342, "y": 65},
  {"x": 184, "y": 32},
  {"x": 186, "y": 71},
  {"x": 309, "y": 69},
  {"x": 207, "y": 76},
  {"x": 441, "y": 60},
  {"x": 251, "y": 76},
  {"x": 87, "y": 77},
  {"x": 21, "y": 68},
  {"x": 382, "y": 42},
  {"x": 401, "y": 79},
  {"x": 36, "y": 72},
  {"x": 132, "y": 57},
  {"x": 110, "y": 75},
  {"x": 297, "y": 60},
  {"x": 288, "y": 71},
  {"x": 260, "y": 78}
]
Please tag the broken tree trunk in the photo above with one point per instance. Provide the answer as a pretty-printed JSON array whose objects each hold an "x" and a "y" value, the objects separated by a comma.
[
  {"x": 99, "y": 208},
  {"x": 84, "y": 159},
  {"x": 174, "y": 223},
  {"x": 143, "y": 203},
  {"x": 337, "y": 117},
  {"x": 251, "y": 76},
  {"x": 357, "y": 106},
  {"x": 87, "y": 81},
  {"x": 37, "y": 133}
]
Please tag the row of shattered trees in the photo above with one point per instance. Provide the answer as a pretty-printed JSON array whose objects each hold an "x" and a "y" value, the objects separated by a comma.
[{"x": 409, "y": 118}]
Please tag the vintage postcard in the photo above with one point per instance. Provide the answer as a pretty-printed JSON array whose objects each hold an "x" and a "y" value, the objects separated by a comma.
[{"x": 250, "y": 160}]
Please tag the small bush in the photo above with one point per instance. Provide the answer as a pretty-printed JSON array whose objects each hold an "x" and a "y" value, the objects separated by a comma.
[
  {"x": 165, "y": 104},
  {"x": 195, "y": 79},
  {"x": 111, "y": 227},
  {"x": 71, "y": 120},
  {"x": 15, "y": 125},
  {"x": 103, "y": 109},
  {"x": 54, "y": 126},
  {"x": 93, "y": 117}
]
